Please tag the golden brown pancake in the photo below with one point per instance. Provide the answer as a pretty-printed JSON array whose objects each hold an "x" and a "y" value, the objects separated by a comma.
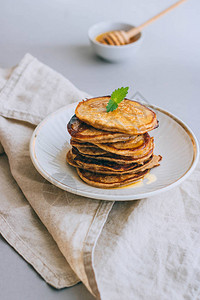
[
  {"x": 106, "y": 167},
  {"x": 109, "y": 181},
  {"x": 136, "y": 151},
  {"x": 137, "y": 147},
  {"x": 134, "y": 142},
  {"x": 81, "y": 144},
  {"x": 91, "y": 150},
  {"x": 117, "y": 147},
  {"x": 130, "y": 117},
  {"x": 83, "y": 132},
  {"x": 114, "y": 157}
]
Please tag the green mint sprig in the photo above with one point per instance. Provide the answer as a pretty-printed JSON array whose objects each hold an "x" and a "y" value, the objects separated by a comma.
[{"x": 116, "y": 97}]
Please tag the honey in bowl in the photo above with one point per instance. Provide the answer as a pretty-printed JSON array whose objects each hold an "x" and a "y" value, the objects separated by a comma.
[{"x": 100, "y": 38}]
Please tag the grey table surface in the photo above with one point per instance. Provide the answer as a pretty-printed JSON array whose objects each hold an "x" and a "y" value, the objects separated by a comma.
[{"x": 165, "y": 72}]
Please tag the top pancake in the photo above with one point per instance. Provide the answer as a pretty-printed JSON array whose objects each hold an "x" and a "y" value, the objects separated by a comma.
[
  {"x": 130, "y": 117},
  {"x": 83, "y": 132}
]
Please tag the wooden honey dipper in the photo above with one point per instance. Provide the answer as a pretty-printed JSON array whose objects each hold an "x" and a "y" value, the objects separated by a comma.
[{"x": 120, "y": 37}]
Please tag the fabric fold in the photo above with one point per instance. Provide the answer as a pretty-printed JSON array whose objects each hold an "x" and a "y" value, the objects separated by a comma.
[
  {"x": 22, "y": 229},
  {"x": 33, "y": 90}
]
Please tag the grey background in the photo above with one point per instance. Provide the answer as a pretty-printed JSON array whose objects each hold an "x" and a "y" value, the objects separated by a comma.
[{"x": 165, "y": 72}]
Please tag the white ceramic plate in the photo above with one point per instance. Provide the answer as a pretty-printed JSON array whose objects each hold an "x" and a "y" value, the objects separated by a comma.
[{"x": 173, "y": 139}]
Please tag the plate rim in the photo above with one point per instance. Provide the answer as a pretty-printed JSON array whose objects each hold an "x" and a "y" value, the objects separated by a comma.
[{"x": 110, "y": 197}]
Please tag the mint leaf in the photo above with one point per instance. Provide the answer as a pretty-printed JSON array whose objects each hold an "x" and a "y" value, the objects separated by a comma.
[
  {"x": 116, "y": 97},
  {"x": 112, "y": 105}
]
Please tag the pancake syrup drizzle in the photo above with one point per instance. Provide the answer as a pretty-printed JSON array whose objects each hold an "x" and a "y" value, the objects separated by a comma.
[{"x": 150, "y": 178}]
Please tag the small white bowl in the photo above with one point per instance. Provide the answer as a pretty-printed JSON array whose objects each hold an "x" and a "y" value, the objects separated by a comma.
[{"x": 112, "y": 53}]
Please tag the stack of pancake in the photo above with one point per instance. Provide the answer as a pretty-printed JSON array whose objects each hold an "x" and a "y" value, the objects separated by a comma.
[{"x": 112, "y": 149}]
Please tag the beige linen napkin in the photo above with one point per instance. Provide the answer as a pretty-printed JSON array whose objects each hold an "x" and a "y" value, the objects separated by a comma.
[{"x": 147, "y": 249}]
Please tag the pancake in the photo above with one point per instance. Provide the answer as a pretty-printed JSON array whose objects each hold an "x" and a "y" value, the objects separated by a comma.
[
  {"x": 91, "y": 150},
  {"x": 81, "y": 144},
  {"x": 75, "y": 142},
  {"x": 98, "y": 166},
  {"x": 114, "y": 157},
  {"x": 137, "y": 147},
  {"x": 109, "y": 181},
  {"x": 130, "y": 117},
  {"x": 131, "y": 141},
  {"x": 134, "y": 142},
  {"x": 140, "y": 149},
  {"x": 83, "y": 132}
]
